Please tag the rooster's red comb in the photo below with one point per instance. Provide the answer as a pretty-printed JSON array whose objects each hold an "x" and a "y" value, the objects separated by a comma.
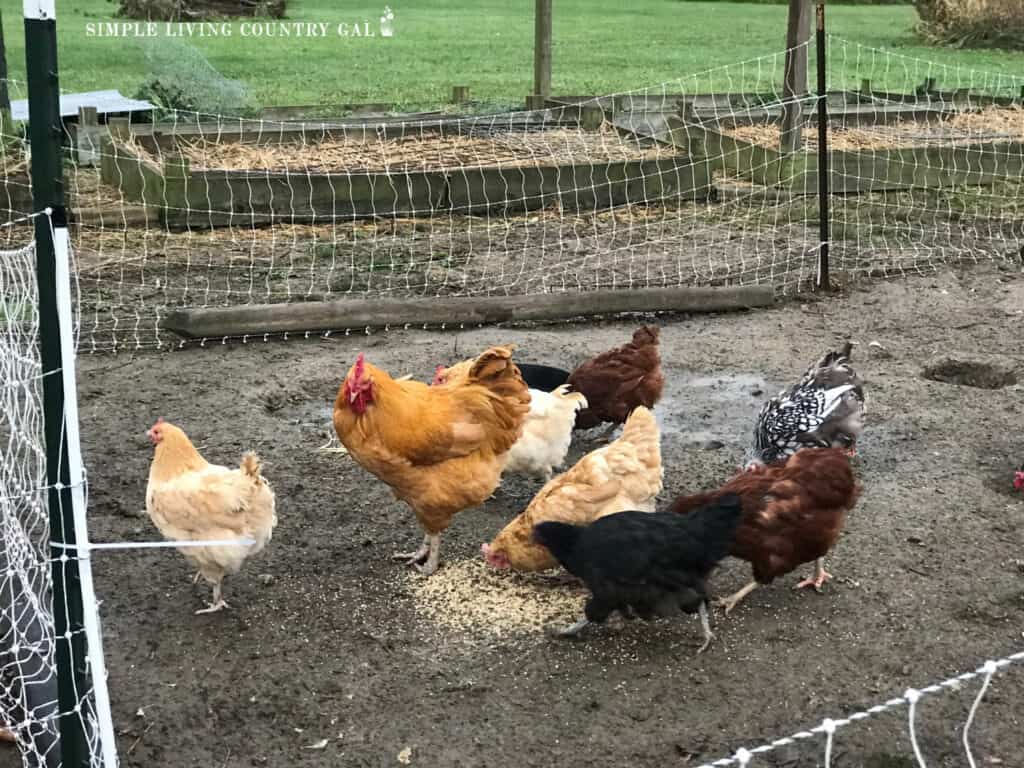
[{"x": 360, "y": 365}]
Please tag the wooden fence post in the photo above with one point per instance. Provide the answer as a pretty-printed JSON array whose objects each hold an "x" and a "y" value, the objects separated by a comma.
[
  {"x": 794, "y": 84},
  {"x": 542, "y": 49}
]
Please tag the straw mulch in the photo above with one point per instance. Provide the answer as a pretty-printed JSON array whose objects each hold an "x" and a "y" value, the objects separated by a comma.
[
  {"x": 989, "y": 124},
  {"x": 424, "y": 152}
]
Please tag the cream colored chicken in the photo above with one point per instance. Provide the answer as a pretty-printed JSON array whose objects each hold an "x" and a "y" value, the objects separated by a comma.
[
  {"x": 189, "y": 499},
  {"x": 625, "y": 474},
  {"x": 547, "y": 433}
]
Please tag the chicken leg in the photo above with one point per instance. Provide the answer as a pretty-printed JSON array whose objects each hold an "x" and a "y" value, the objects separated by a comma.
[
  {"x": 735, "y": 599},
  {"x": 706, "y": 626},
  {"x": 818, "y": 579},
  {"x": 218, "y": 603}
]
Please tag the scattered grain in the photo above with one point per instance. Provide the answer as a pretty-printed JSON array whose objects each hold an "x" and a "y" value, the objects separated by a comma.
[{"x": 468, "y": 596}]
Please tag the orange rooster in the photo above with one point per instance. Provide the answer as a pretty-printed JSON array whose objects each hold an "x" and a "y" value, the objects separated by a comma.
[
  {"x": 189, "y": 499},
  {"x": 441, "y": 449},
  {"x": 793, "y": 512}
]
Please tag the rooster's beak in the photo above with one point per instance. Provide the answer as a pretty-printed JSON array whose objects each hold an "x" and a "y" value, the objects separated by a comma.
[{"x": 352, "y": 396}]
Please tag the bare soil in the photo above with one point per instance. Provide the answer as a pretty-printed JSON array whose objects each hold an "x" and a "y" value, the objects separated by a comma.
[{"x": 331, "y": 656}]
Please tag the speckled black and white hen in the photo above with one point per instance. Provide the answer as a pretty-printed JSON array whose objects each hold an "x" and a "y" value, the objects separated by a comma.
[{"x": 824, "y": 409}]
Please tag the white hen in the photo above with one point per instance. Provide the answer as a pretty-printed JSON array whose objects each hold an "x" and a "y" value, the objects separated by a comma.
[{"x": 547, "y": 433}]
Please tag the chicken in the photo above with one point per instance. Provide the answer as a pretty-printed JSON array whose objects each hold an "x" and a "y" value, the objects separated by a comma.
[
  {"x": 617, "y": 381},
  {"x": 824, "y": 409},
  {"x": 6, "y": 735},
  {"x": 547, "y": 433},
  {"x": 645, "y": 564},
  {"x": 793, "y": 512},
  {"x": 440, "y": 448},
  {"x": 189, "y": 499},
  {"x": 625, "y": 474}
]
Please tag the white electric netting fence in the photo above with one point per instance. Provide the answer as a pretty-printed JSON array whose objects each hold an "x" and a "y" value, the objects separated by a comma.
[
  {"x": 29, "y": 704},
  {"x": 680, "y": 184}
]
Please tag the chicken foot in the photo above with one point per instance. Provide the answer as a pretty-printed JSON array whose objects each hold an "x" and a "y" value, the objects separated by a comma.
[
  {"x": 218, "y": 603},
  {"x": 818, "y": 579},
  {"x": 728, "y": 603},
  {"x": 572, "y": 630},
  {"x": 426, "y": 558}
]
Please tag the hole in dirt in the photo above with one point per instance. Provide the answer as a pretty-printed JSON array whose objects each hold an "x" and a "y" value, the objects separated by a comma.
[{"x": 980, "y": 374}]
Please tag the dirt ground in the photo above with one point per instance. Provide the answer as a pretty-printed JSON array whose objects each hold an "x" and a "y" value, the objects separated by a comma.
[{"x": 328, "y": 656}]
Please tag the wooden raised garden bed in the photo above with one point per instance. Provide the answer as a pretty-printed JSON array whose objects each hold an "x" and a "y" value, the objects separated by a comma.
[
  {"x": 288, "y": 175},
  {"x": 963, "y": 148}
]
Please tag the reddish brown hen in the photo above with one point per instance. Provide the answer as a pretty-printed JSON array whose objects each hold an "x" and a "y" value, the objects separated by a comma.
[
  {"x": 793, "y": 512},
  {"x": 619, "y": 380}
]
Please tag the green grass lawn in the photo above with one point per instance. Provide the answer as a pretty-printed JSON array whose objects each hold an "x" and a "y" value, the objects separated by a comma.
[{"x": 601, "y": 46}]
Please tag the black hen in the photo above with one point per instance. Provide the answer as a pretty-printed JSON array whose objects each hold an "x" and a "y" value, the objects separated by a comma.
[
  {"x": 645, "y": 564},
  {"x": 542, "y": 377}
]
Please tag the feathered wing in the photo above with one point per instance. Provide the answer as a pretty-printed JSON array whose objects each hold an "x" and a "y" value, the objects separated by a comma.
[{"x": 824, "y": 409}]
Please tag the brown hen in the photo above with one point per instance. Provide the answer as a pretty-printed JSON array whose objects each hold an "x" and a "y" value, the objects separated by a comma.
[
  {"x": 619, "y": 380},
  {"x": 793, "y": 512}
]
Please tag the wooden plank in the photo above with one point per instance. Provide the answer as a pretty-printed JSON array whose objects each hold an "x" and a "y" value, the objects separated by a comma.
[
  {"x": 215, "y": 199},
  {"x": 114, "y": 215},
  {"x": 360, "y": 313},
  {"x": 578, "y": 187},
  {"x": 752, "y": 161},
  {"x": 138, "y": 179},
  {"x": 908, "y": 167},
  {"x": 794, "y": 82}
]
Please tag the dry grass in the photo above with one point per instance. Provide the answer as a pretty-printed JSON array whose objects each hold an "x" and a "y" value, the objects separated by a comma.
[
  {"x": 423, "y": 152},
  {"x": 973, "y": 23},
  {"x": 467, "y": 596},
  {"x": 989, "y": 124}
]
